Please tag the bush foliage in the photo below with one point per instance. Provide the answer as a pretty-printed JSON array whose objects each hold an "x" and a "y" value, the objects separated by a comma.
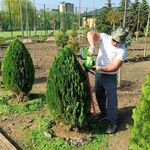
[
  {"x": 61, "y": 39},
  {"x": 18, "y": 69},
  {"x": 73, "y": 42},
  {"x": 140, "y": 131},
  {"x": 67, "y": 89}
]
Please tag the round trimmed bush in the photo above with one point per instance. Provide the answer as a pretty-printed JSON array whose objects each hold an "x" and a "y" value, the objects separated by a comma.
[
  {"x": 17, "y": 69},
  {"x": 67, "y": 90}
]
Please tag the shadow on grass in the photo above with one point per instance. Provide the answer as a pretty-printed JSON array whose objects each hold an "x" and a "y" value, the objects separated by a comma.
[
  {"x": 124, "y": 119},
  {"x": 10, "y": 139},
  {"x": 33, "y": 96},
  {"x": 95, "y": 126}
]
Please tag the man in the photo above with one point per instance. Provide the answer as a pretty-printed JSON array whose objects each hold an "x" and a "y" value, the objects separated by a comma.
[{"x": 111, "y": 56}]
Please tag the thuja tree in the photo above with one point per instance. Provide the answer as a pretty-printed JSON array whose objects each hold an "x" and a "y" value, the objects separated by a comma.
[
  {"x": 140, "y": 131},
  {"x": 18, "y": 69},
  {"x": 67, "y": 90}
]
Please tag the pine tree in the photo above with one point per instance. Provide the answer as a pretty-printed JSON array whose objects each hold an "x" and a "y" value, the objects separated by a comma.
[
  {"x": 140, "y": 131},
  {"x": 102, "y": 25},
  {"x": 67, "y": 90},
  {"x": 18, "y": 69},
  {"x": 108, "y": 18},
  {"x": 144, "y": 10}
]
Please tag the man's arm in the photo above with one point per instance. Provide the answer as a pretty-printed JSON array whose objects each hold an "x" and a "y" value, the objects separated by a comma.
[
  {"x": 112, "y": 68},
  {"x": 92, "y": 37}
]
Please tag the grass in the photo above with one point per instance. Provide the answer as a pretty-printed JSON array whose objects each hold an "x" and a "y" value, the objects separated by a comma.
[
  {"x": 7, "y": 34},
  {"x": 7, "y": 108},
  {"x": 35, "y": 138},
  {"x": 40, "y": 142}
]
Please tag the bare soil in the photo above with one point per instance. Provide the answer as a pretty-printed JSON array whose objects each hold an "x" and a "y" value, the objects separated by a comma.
[{"x": 134, "y": 72}]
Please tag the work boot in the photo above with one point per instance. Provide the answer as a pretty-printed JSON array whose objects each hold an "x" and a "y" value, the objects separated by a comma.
[
  {"x": 112, "y": 127},
  {"x": 100, "y": 117}
]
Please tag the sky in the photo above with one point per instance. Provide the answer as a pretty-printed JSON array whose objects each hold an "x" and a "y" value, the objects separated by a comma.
[
  {"x": 85, "y": 4},
  {"x": 89, "y": 4}
]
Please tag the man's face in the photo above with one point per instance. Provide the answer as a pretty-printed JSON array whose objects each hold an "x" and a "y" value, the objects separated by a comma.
[{"x": 114, "y": 43}]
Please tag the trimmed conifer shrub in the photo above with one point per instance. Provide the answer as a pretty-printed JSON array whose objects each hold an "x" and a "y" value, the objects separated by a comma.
[
  {"x": 18, "y": 69},
  {"x": 67, "y": 90},
  {"x": 140, "y": 131}
]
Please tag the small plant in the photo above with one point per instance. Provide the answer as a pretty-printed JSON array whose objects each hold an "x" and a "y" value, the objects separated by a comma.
[
  {"x": 140, "y": 131},
  {"x": 73, "y": 43},
  {"x": 18, "y": 69},
  {"x": 67, "y": 90},
  {"x": 61, "y": 39},
  {"x": 40, "y": 39},
  {"x": 2, "y": 40}
]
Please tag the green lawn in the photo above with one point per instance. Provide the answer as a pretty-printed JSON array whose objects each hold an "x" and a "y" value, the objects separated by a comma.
[
  {"x": 7, "y": 34},
  {"x": 35, "y": 138}
]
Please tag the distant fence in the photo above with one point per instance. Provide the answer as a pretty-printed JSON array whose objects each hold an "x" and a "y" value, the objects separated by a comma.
[{"x": 31, "y": 20}]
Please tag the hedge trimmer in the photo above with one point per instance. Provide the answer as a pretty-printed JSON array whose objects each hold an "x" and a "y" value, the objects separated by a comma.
[{"x": 88, "y": 64}]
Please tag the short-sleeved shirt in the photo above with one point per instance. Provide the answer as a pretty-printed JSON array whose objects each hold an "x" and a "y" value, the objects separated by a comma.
[{"x": 108, "y": 53}]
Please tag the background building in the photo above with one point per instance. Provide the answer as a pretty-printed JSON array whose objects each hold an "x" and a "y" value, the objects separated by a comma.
[
  {"x": 66, "y": 7},
  {"x": 89, "y": 18}
]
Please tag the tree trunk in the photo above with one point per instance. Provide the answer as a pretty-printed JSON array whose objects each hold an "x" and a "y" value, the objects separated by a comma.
[
  {"x": 146, "y": 33},
  {"x": 21, "y": 20},
  {"x": 124, "y": 22}
]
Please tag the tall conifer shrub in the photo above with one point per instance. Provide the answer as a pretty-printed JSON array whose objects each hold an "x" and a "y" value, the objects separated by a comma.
[
  {"x": 67, "y": 89},
  {"x": 140, "y": 131},
  {"x": 18, "y": 69}
]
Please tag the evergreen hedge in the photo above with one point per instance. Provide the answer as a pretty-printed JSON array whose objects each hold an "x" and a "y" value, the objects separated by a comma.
[
  {"x": 140, "y": 131},
  {"x": 17, "y": 69},
  {"x": 67, "y": 90}
]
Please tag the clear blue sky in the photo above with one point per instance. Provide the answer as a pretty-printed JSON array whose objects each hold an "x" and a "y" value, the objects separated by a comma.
[{"x": 89, "y": 4}]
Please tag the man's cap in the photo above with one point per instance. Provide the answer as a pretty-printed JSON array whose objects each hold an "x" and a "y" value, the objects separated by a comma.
[{"x": 120, "y": 35}]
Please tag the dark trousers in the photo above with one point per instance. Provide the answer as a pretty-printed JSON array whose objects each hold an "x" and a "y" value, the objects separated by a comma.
[{"x": 106, "y": 95}]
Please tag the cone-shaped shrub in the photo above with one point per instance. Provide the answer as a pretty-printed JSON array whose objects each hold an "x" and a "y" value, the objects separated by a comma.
[
  {"x": 140, "y": 131},
  {"x": 67, "y": 89},
  {"x": 18, "y": 69}
]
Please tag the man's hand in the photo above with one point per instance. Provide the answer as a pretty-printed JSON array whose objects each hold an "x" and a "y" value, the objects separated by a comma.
[
  {"x": 99, "y": 68},
  {"x": 112, "y": 68},
  {"x": 91, "y": 50},
  {"x": 94, "y": 67}
]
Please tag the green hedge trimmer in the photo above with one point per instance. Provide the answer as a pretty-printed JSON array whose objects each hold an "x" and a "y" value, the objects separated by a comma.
[{"x": 88, "y": 60}]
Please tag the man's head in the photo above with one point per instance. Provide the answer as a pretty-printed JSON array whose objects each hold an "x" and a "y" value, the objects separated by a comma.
[{"x": 119, "y": 35}]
